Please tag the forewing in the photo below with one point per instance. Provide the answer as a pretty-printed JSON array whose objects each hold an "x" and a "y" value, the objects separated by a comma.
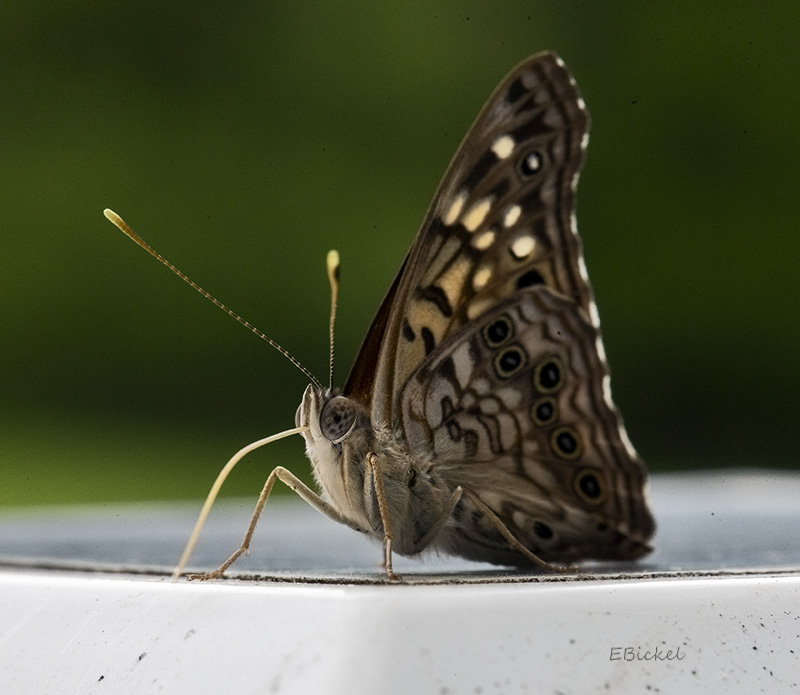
[{"x": 501, "y": 221}]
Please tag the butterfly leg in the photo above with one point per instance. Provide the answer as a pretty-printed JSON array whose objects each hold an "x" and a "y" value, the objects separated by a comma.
[
  {"x": 495, "y": 520},
  {"x": 296, "y": 485},
  {"x": 383, "y": 508}
]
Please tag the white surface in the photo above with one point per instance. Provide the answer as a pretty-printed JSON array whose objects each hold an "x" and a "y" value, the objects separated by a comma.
[
  {"x": 723, "y": 586},
  {"x": 69, "y": 634}
]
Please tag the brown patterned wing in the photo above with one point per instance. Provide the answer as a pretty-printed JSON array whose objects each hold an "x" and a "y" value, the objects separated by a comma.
[
  {"x": 516, "y": 407},
  {"x": 501, "y": 221}
]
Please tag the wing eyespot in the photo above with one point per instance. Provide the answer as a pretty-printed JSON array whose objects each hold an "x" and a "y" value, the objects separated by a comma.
[
  {"x": 509, "y": 361},
  {"x": 590, "y": 486},
  {"x": 566, "y": 443},
  {"x": 545, "y": 411},
  {"x": 548, "y": 376},
  {"x": 531, "y": 164},
  {"x": 498, "y": 331}
]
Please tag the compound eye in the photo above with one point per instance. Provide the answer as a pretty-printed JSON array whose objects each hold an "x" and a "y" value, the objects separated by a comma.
[{"x": 337, "y": 419}]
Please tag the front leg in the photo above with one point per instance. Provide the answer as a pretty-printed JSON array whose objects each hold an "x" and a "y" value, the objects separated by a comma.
[
  {"x": 296, "y": 485},
  {"x": 383, "y": 509}
]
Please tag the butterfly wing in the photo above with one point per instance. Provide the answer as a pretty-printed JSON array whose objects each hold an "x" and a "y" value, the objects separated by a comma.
[
  {"x": 486, "y": 358},
  {"x": 501, "y": 220}
]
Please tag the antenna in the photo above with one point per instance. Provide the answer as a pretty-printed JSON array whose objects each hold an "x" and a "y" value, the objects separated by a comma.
[
  {"x": 115, "y": 219},
  {"x": 332, "y": 261}
]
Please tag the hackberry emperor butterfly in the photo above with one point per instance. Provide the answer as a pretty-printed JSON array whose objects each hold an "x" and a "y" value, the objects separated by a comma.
[{"x": 477, "y": 418}]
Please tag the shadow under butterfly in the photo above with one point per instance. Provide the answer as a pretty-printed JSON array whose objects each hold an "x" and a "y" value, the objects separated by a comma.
[{"x": 477, "y": 418}]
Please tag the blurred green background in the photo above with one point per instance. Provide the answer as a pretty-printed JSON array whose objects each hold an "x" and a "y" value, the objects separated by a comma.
[{"x": 245, "y": 140}]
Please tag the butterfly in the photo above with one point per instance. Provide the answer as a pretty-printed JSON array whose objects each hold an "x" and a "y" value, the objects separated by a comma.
[{"x": 477, "y": 418}]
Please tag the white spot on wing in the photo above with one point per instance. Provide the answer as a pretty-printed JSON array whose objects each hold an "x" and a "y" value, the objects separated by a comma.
[
  {"x": 483, "y": 240},
  {"x": 512, "y": 215},
  {"x": 503, "y": 146},
  {"x": 626, "y": 442},
  {"x": 523, "y": 246},
  {"x": 481, "y": 277},
  {"x": 455, "y": 209},
  {"x": 581, "y": 104},
  {"x": 601, "y": 351},
  {"x": 582, "y": 269},
  {"x": 477, "y": 214},
  {"x": 594, "y": 314},
  {"x": 585, "y": 141},
  {"x": 623, "y": 435},
  {"x": 607, "y": 391}
]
